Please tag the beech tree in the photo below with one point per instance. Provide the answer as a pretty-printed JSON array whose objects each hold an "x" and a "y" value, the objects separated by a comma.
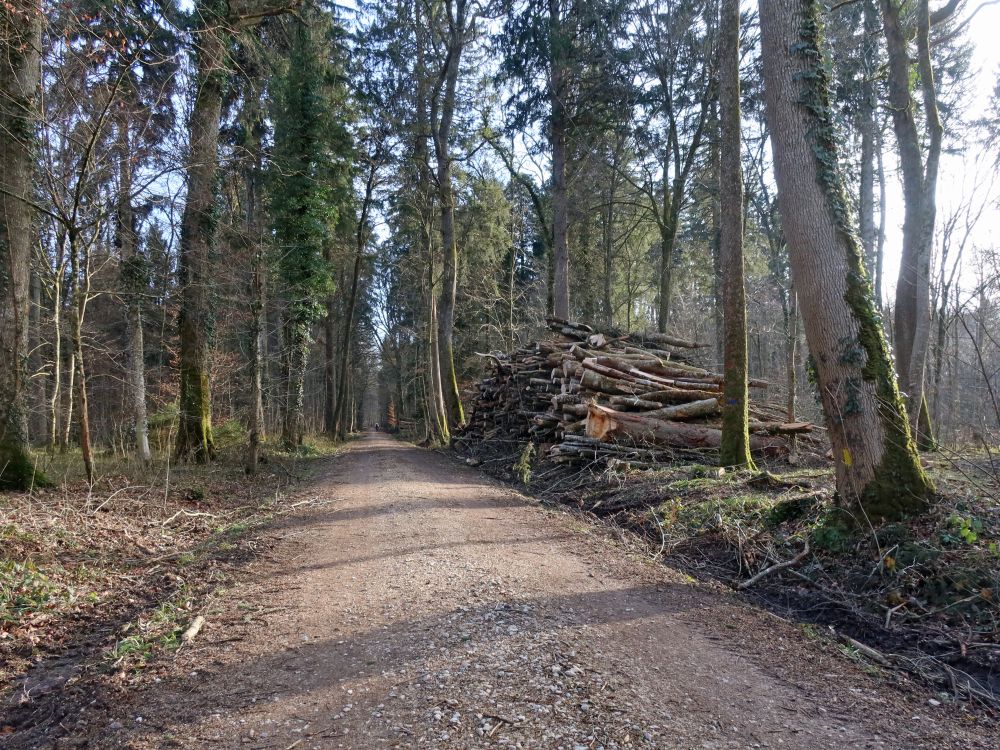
[{"x": 877, "y": 467}]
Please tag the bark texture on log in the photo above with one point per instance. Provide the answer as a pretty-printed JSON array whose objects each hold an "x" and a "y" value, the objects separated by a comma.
[{"x": 604, "y": 424}]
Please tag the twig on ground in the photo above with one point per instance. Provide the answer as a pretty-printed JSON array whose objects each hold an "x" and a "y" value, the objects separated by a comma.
[
  {"x": 774, "y": 568},
  {"x": 663, "y": 536},
  {"x": 892, "y": 611}
]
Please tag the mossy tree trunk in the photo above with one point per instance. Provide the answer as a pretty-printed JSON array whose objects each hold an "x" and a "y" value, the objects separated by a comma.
[
  {"x": 20, "y": 42},
  {"x": 734, "y": 449},
  {"x": 877, "y": 467},
  {"x": 297, "y": 341},
  {"x": 194, "y": 433}
]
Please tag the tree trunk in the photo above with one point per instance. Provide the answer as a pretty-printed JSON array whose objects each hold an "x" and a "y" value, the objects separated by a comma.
[
  {"x": 912, "y": 311},
  {"x": 558, "y": 134},
  {"x": 438, "y": 424},
  {"x": 715, "y": 214},
  {"x": 135, "y": 279},
  {"x": 37, "y": 426},
  {"x": 877, "y": 467},
  {"x": 866, "y": 199},
  {"x": 668, "y": 234},
  {"x": 55, "y": 403},
  {"x": 258, "y": 318},
  {"x": 791, "y": 363},
  {"x": 20, "y": 42},
  {"x": 341, "y": 417},
  {"x": 608, "y": 237},
  {"x": 330, "y": 365},
  {"x": 880, "y": 239},
  {"x": 940, "y": 343},
  {"x": 442, "y": 115},
  {"x": 67, "y": 427},
  {"x": 298, "y": 340},
  {"x": 734, "y": 449},
  {"x": 194, "y": 433},
  {"x": 78, "y": 297}
]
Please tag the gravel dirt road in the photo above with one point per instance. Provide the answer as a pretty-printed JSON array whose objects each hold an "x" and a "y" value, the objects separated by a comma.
[{"x": 426, "y": 606}]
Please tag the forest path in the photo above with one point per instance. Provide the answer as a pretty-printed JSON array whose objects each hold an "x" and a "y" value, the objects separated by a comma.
[{"x": 427, "y": 606}]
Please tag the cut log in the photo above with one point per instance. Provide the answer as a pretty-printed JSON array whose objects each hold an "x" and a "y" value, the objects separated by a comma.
[
  {"x": 634, "y": 403},
  {"x": 682, "y": 412},
  {"x": 658, "y": 402},
  {"x": 607, "y": 424},
  {"x": 678, "y": 395},
  {"x": 604, "y": 384}
]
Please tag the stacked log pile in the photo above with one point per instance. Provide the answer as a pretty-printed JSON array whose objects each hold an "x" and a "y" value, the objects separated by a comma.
[{"x": 607, "y": 396}]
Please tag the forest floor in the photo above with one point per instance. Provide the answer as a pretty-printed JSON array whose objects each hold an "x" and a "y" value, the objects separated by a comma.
[{"x": 402, "y": 600}]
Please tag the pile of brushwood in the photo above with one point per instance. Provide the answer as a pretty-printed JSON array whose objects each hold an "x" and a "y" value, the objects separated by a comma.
[{"x": 596, "y": 398}]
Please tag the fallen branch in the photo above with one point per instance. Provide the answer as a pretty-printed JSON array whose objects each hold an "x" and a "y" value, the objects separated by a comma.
[
  {"x": 774, "y": 569},
  {"x": 863, "y": 649}
]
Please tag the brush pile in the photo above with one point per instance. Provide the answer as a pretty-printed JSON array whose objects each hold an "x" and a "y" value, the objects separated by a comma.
[{"x": 586, "y": 396}]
